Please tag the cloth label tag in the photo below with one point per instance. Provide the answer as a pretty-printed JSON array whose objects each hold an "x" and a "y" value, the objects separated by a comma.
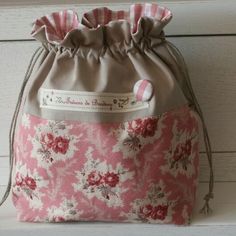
[{"x": 90, "y": 101}]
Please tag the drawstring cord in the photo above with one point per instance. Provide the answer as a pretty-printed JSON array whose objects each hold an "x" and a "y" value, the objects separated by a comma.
[
  {"x": 28, "y": 73},
  {"x": 206, "y": 208}
]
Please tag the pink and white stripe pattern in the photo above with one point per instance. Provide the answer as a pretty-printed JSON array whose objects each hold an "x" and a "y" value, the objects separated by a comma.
[
  {"x": 102, "y": 16},
  {"x": 57, "y": 25},
  {"x": 143, "y": 90},
  {"x": 151, "y": 10}
]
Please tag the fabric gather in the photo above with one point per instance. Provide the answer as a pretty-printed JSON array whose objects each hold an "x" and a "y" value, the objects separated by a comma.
[{"x": 101, "y": 26}]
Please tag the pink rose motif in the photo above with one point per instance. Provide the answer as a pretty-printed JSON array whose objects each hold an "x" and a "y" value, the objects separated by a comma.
[
  {"x": 146, "y": 127},
  {"x": 19, "y": 179},
  {"x": 135, "y": 126},
  {"x": 30, "y": 182},
  {"x": 111, "y": 179},
  {"x": 146, "y": 210},
  {"x": 178, "y": 153},
  {"x": 182, "y": 150},
  {"x": 188, "y": 147},
  {"x": 149, "y": 127},
  {"x": 60, "y": 145},
  {"x": 159, "y": 212},
  {"x": 47, "y": 140},
  {"x": 94, "y": 178},
  {"x": 58, "y": 219}
]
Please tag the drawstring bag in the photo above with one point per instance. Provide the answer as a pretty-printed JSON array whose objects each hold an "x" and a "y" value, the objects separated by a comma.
[{"x": 107, "y": 127}]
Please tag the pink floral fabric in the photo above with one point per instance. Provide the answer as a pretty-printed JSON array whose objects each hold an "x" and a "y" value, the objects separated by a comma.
[{"x": 144, "y": 170}]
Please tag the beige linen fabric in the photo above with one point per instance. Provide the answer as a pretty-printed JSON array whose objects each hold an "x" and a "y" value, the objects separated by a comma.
[{"x": 109, "y": 59}]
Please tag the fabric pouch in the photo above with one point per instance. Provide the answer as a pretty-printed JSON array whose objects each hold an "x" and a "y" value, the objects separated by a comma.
[{"x": 107, "y": 127}]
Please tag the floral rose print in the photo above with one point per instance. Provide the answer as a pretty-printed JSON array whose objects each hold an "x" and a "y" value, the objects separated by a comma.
[
  {"x": 134, "y": 135},
  {"x": 188, "y": 147},
  {"x": 66, "y": 211},
  {"x": 57, "y": 144},
  {"x": 180, "y": 156},
  {"x": 156, "y": 213},
  {"x": 58, "y": 219},
  {"x": 111, "y": 179},
  {"x": 135, "y": 126},
  {"x": 94, "y": 178},
  {"x": 159, "y": 212},
  {"x": 144, "y": 127},
  {"x": 99, "y": 179},
  {"x": 19, "y": 180},
  {"x": 47, "y": 140},
  {"x": 132, "y": 142},
  {"x": 155, "y": 207},
  {"x": 146, "y": 210},
  {"x": 52, "y": 142},
  {"x": 28, "y": 184},
  {"x": 80, "y": 171},
  {"x": 61, "y": 145}
]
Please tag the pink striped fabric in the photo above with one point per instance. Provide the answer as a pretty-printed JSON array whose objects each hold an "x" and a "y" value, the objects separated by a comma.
[
  {"x": 102, "y": 16},
  {"x": 59, "y": 24},
  {"x": 143, "y": 90}
]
